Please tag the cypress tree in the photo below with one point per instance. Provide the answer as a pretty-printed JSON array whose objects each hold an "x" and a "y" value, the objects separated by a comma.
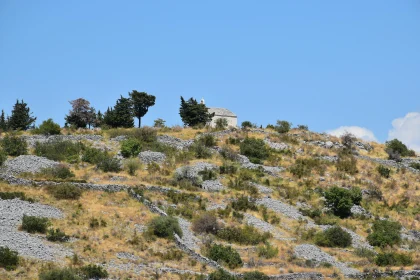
[
  {"x": 21, "y": 116},
  {"x": 123, "y": 113},
  {"x": 193, "y": 113},
  {"x": 3, "y": 122}
]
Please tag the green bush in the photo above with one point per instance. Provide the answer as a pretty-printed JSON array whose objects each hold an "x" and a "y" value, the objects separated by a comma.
[
  {"x": 347, "y": 164},
  {"x": 208, "y": 174},
  {"x": 109, "y": 164},
  {"x": 13, "y": 195},
  {"x": 247, "y": 124},
  {"x": 132, "y": 165},
  {"x": 247, "y": 235},
  {"x": 34, "y": 224},
  {"x": 383, "y": 171},
  {"x": 243, "y": 203},
  {"x": 61, "y": 274},
  {"x": 255, "y": 149},
  {"x": 3, "y": 157},
  {"x": 14, "y": 146},
  {"x": 341, "y": 200},
  {"x": 130, "y": 147},
  {"x": 65, "y": 191},
  {"x": 93, "y": 155},
  {"x": 283, "y": 126},
  {"x": 415, "y": 165},
  {"x": 365, "y": 253},
  {"x": 56, "y": 235},
  {"x": 60, "y": 150},
  {"x": 226, "y": 255},
  {"x": 207, "y": 140},
  {"x": 229, "y": 154},
  {"x": 255, "y": 275},
  {"x": 164, "y": 227},
  {"x": 304, "y": 166},
  {"x": 228, "y": 169},
  {"x": 94, "y": 272},
  {"x": 221, "y": 274},
  {"x": 9, "y": 259},
  {"x": 221, "y": 124},
  {"x": 59, "y": 172},
  {"x": 267, "y": 251},
  {"x": 385, "y": 233},
  {"x": 48, "y": 127},
  {"x": 200, "y": 150},
  {"x": 333, "y": 237},
  {"x": 393, "y": 259},
  {"x": 396, "y": 149},
  {"x": 206, "y": 223}
]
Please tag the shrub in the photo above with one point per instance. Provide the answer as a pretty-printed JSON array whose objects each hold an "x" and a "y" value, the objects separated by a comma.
[
  {"x": 48, "y": 127},
  {"x": 267, "y": 251},
  {"x": 60, "y": 274},
  {"x": 153, "y": 168},
  {"x": 341, "y": 200},
  {"x": 93, "y": 155},
  {"x": 56, "y": 235},
  {"x": 200, "y": 150},
  {"x": 229, "y": 154},
  {"x": 205, "y": 223},
  {"x": 348, "y": 139},
  {"x": 92, "y": 271},
  {"x": 383, "y": 171},
  {"x": 393, "y": 259},
  {"x": 132, "y": 165},
  {"x": 95, "y": 223},
  {"x": 130, "y": 147},
  {"x": 164, "y": 227},
  {"x": 59, "y": 172},
  {"x": 159, "y": 123},
  {"x": 208, "y": 174},
  {"x": 3, "y": 157},
  {"x": 283, "y": 126},
  {"x": 415, "y": 165},
  {"x": 225, "y": 254},
  {"x": 385, "y": 233},
  {"x": 347, "y": 164},
  {"x": 255, "y": 275},
  {"x": 247, "y": 235},
  {"x": 221, "y": 274},
  {"x": 396, "y": 149},
  {"x": 302, "y": 127},
  {"x": 109, "y": 164},
  {"x": 34, "y": 224},
  {"x": 221, "y": 124},
  {"x": 255, "y": 149},
  {"x": 65, "y": 191},
  {"x": 60, "y": 150},
  {"x": 9, "y": 259},
  {"x": 14, "y": 145},
  {"x": 228, "y": 169},
  {"x": 207, "y": 140},
  {"x": 243, "y": 203},
  {"x": 333, "y": 237},
  {"x": 13, "y": 195},
  {"x": 247, "y": 124},
  {"x": 303, "y": 167},
  {"x": 365, "y": 253}
]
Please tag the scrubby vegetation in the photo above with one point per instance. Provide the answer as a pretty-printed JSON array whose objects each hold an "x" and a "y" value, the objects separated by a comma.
[
  {"x": 255, "y": 149},
  {"x": 247, "y": 235},
  {"x": 225, "y": 254},
  {"x": 34, "y": 224},
  {"x": 385, "y": 233},
  {"x": 9, "y": 259},
  {"x": 333, "y": 237},
  {"x": 13, "y": 145},
  {"x": 60, "y": 150},
  {"x": 65, "y": 191},
  {"x": 341, "y": 200},
  {"x": 164, "y": 227}
]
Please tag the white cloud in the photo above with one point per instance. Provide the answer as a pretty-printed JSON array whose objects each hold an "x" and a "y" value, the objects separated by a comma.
[
  {"x": 407, "y": 130},
  {"x": 359, "y": 132}
]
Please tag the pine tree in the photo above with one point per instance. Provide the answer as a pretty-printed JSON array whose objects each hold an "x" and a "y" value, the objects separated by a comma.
[
  {"x": 3, "y": 122},
  {"x": 193, "y": 113},
  {"x": 99, "y": 119},
  {"x": 123, "y": 113},
  {"x": 21, "y": 117},
  {"x": 141, "y": 103},
  {"x": 109, "y": 117}
]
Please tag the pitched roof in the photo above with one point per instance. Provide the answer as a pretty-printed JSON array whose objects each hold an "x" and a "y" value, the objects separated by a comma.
[{"x": 222, "y": 112}]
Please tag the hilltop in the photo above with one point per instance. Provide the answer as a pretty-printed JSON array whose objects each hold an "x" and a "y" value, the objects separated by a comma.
[{"x": 184, "y": 203}]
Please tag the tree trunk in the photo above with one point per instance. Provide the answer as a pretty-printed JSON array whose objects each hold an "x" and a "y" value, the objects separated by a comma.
[{"x": 139, "y": 122}]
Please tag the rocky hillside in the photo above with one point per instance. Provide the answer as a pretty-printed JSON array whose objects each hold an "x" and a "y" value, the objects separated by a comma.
[{"x": 174, "y": 203}]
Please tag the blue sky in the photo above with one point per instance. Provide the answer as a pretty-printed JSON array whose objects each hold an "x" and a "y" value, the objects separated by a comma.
[{"x": 326, "y": 64}]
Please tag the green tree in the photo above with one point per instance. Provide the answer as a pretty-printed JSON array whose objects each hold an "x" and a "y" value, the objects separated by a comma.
[
  {"x": 81, "y": 114},
  {"x": 21, "y": 117},
  {"x": 396, "y": 149},
  {"x": 141, "y": 103},
  {"x": 160, "y": 123},
  {"x": 3, "y": 122},
  {"x": 122, "y": 114},
  {"x": 193, "y": 113},
  {"x": 99, "y": 120},
  {"x": 333, "y": 237}
]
